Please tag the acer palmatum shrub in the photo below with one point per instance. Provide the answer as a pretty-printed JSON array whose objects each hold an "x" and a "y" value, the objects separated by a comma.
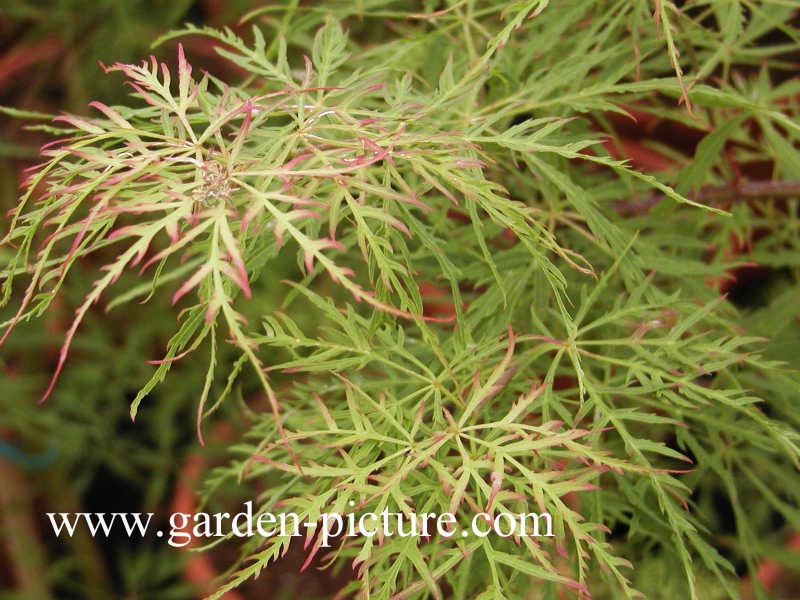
[{"x": 417, "y": 250}]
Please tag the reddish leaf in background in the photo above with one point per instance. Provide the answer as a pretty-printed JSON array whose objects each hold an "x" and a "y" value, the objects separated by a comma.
[
  {"x": 436, "y": 301},
  {"x": 14, "y": 62},
  {"x": 640, "y": 156}
]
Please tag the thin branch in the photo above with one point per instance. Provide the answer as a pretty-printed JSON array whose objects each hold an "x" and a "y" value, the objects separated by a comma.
[
  {"x": 715, "y": 196},
  {"x": 22, "y": 544}
]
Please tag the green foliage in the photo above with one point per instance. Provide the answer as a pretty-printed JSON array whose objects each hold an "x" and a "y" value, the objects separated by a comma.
[
  {"x": 583, "y": 365},
  {"x": 88, "y": 32}
]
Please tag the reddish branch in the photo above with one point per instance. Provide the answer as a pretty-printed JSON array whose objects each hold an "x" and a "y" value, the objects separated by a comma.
[
  {"x": 22, "y": 544},
  {"x": 716, "y": 195}
]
